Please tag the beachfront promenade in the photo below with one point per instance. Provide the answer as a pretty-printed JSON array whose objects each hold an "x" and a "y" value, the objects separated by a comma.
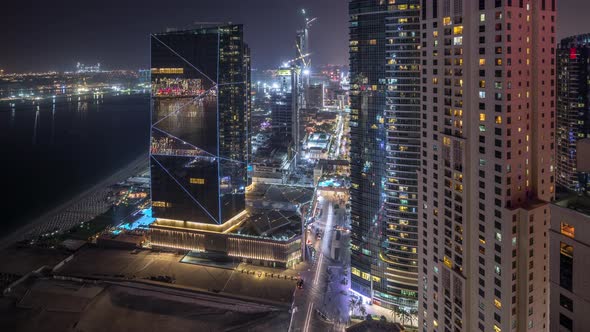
[{"x": 82, "y": 208}]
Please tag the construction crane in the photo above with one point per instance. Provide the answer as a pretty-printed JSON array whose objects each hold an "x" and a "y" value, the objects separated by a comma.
[
  {"x": 302, "y": 43},
  {"x": 301, "y": 57},
  {"x": 307, "y": 20}
]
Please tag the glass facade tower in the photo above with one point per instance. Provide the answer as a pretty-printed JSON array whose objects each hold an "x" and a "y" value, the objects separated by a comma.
[
  {"x": 385, "y": 150},
  {"x": 200, "y": 124},
  {"x": 573, "y": 109},
  {"x": 368, "y": 139}
]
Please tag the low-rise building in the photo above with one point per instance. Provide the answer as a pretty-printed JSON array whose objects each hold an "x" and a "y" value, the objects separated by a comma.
[
  {"x": 259, "y": 237},
  {"x": 569, "y": 246},
  {"x": 317, "y": 146}
]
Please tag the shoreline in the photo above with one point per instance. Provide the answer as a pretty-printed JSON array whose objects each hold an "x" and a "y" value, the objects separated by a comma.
[{"x": 123, "y": 173}]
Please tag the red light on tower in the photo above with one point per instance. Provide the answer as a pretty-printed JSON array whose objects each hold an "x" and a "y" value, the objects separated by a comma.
[{"x": 573, "y": 54}]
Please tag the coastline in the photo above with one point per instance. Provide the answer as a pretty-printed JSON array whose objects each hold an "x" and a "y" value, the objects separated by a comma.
[{"x": 123, "y": 173}]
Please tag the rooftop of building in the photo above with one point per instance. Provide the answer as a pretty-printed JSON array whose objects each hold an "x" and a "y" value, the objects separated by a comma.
[
  {"x": 272, "y": 224},
  {"x": 319, "y": 137},
  {"x": 271, "y": 152},
  {"x": 375, "y": 326},
  {"x": 577, "y": 40},
  {"x": 573, "y": 201},
  {"x": 199, "y": 27},
  {"x": 281, "y": 193},
  {"x": 269, "y": 224}
]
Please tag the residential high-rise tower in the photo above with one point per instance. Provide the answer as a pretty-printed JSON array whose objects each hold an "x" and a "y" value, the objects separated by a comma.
[{"x": 488, "y": 100}]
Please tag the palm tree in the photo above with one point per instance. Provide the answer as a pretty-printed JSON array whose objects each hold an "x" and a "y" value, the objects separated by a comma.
[
  {"x": 413, "y": 316},
  {"x": 404, "y": 316},
  {"x": 395, "y": 313}
]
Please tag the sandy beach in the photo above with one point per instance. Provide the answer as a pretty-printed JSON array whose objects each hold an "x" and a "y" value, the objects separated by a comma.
[{"x": 31, "y": 228}]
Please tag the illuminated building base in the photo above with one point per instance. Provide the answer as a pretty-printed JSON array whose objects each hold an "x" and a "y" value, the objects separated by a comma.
[{"x": 224, "y": 239}]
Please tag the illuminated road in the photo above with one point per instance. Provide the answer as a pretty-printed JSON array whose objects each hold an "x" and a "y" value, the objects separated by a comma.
[
  {"x": 338, "y": 143},
  {"x": 323, "y": 303}
]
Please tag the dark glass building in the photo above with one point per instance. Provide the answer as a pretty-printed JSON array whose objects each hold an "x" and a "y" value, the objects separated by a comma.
[
  {"x": 282, "y": 115},
  {"x": 285, "y": 105},
  {"x": 200, "y": 123},
  {"x": 368, "y": 138},
  {"x": 573, "y": 109},
  {"x": 385, "y": 150}
]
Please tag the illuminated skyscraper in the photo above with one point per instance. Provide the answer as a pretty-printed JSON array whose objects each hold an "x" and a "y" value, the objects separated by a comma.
[
  {"x": 368, "y": 140},
  {"x": 487, "y": 175},
  {"x": 285, "y": 106},
  {"x": 399, "y": 246},
  {"x": 573, "y": 109},
  {"x": 385, "y": 150},
  {"x": 200, "y": 122}
]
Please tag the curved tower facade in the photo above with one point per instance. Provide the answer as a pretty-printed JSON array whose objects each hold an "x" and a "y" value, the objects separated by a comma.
[{"x": 385, "y": 150}]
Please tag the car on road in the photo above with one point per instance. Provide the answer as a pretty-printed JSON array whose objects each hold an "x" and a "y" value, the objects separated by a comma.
[{"x": 300, "y": 283}]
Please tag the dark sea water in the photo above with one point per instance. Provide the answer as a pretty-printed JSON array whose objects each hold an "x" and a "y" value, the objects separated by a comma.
[{"x": 53, "y": 150}]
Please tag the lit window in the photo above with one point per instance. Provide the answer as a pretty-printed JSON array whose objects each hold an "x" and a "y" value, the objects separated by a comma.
[
  {"x": 566, "y": 249},
  {"x": 498, "y": 236},
  {"x": 482, "y": 117},
  {"x": 197, "y": 181},
  {"x": 167, "y": 70},
  {"x": 448, "y": 262},
  {"x": 356, "y": 272},
  {"x": 498, "y": 270},
  {"x": 498, "y": 120},
  {"x": 498, "y": 304},
  {"x": 568, "y": 230}
]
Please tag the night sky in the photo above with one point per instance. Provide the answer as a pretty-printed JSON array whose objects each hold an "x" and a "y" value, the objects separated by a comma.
[{"x": 53, "y": 35}]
